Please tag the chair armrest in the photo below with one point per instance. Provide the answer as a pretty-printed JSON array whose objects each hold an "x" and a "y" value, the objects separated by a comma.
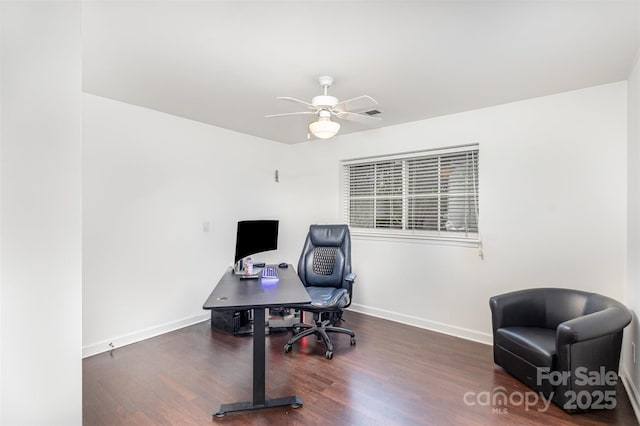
[
  {"x": 518, "y": 308},
  {"x": 349, "y": 279},
  {"x": 591, "y": 326}
]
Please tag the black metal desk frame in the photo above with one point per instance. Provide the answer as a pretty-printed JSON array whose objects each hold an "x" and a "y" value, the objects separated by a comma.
[{"x": 234, "y": 293}]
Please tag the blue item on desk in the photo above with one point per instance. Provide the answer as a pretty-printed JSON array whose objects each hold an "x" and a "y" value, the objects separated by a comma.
[{"x": 269, "y": 272}]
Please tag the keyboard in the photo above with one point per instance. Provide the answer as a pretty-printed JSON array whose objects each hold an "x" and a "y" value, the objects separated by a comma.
[{"x": 269, "y": 272}]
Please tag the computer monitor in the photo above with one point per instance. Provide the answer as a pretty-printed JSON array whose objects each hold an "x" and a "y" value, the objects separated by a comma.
[{"x": 255, "y": 236}]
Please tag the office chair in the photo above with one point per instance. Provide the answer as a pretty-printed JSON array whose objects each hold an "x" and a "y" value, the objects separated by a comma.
[{"x": 325, "y": 270}]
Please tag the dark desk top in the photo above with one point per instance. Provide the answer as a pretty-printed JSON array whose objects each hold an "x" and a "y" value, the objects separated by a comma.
[{"x": 234, "y": 293}]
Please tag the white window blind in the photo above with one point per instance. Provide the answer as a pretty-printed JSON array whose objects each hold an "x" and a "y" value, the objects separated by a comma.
[{"x": 430, "y": 194}]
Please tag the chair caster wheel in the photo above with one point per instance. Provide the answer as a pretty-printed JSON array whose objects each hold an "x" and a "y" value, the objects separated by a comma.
[
  {"x": 220, "y": 415},
  {"x": 353, "y": 341},
  {"x": 294, "y": 406},
  {"x": 296, "y": 330},
  {"x": 287, "y": 348},
  {"x": 329, "y": 354}
]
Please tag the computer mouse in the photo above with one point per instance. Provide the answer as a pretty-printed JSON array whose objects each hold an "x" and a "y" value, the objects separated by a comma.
[{"x": 283, "y": 265}]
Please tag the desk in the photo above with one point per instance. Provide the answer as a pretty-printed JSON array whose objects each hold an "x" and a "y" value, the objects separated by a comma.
[{"x": 258, "y": 294}]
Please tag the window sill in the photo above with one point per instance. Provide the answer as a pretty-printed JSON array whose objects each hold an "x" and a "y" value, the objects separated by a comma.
[{"x": 366, "y": 235}]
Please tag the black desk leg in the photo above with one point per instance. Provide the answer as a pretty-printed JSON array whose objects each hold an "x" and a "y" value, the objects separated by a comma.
[
  {"x": 259, "y": 400},
  {"x": 258, "y": 356}
]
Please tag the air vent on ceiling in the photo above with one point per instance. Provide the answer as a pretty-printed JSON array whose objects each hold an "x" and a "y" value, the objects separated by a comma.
[{"x": 372, "y": 112}]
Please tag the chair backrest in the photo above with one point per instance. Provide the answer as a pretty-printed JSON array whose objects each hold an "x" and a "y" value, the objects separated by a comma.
[
  {"x": 326, "y": 256},
  {"x": 566, "y": 304},
  {"x": 562, "y": 305},
  {"x": 548, "y": 307}
]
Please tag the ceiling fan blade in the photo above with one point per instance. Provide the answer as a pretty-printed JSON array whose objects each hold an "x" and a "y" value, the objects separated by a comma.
[
  {"x": 359, "y": 104},
  {"x": 290, "y": 113},
  {"x": 353, "y": 116},
  {"x": 298, "y": 101}
]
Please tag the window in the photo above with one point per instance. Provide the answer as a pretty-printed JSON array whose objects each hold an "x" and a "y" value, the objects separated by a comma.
[{"x": 430, "y": 194}]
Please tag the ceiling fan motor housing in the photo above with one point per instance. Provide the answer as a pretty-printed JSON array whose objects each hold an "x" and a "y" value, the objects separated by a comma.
[
  {"x": 324, "y": 101},
  {"x": 324, "y": 114}
]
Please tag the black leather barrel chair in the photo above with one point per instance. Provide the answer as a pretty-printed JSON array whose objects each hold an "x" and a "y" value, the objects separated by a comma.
[
  {"x": 563, "y": 343},
  {"x": 325, "y": 270}
]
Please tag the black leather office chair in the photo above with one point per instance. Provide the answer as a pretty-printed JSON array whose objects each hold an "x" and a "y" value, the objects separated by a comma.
[{"x": 325, "y": 270}]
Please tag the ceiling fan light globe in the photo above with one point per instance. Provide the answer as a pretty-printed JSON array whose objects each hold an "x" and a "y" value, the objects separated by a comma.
[{"x": 324, "y": 129}]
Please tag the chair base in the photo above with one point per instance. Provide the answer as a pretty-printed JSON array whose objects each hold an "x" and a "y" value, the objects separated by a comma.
[{"x": 321, "y": 328}]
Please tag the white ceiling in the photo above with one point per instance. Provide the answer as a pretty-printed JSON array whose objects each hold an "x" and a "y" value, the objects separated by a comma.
[{"x": 223, "y": 63}]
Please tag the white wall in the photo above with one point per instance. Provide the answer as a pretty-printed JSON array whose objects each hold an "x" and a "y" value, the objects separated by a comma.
[
  {"x": 40, "y": 215},
  {"x": 552, "y": 208},
  {"x": 552, "y": 201},
  {"x": 150, "y": 181},
  {"x": 631, "y": 368}
]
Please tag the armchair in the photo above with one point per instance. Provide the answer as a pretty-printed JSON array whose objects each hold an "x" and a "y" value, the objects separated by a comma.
[
  {"x": 325, "y": 270},
  {"x": 563, "y": 343}
]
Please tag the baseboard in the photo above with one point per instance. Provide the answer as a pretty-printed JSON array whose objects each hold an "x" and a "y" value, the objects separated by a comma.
[
  {"x": 119, "y": 341},
  {"x": 632, "y": 392},
  {"x": 439, "y": 327},
  {"x": 137, "y": 336}
]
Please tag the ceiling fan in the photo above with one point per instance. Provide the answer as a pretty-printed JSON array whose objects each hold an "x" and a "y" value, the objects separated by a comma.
[{"x": 325, "y": 107}]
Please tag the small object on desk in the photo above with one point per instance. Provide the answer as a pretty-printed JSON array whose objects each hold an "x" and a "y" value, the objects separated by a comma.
[
  {"x": 250, "y": 276},
  {"x": 283, "y": 265},
  {"x": 259, "y": 265},
  {"x": 248, "y": 266}
]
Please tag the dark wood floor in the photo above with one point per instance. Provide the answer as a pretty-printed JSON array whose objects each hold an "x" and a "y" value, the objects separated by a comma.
[{"x": 395, "y": 375}]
